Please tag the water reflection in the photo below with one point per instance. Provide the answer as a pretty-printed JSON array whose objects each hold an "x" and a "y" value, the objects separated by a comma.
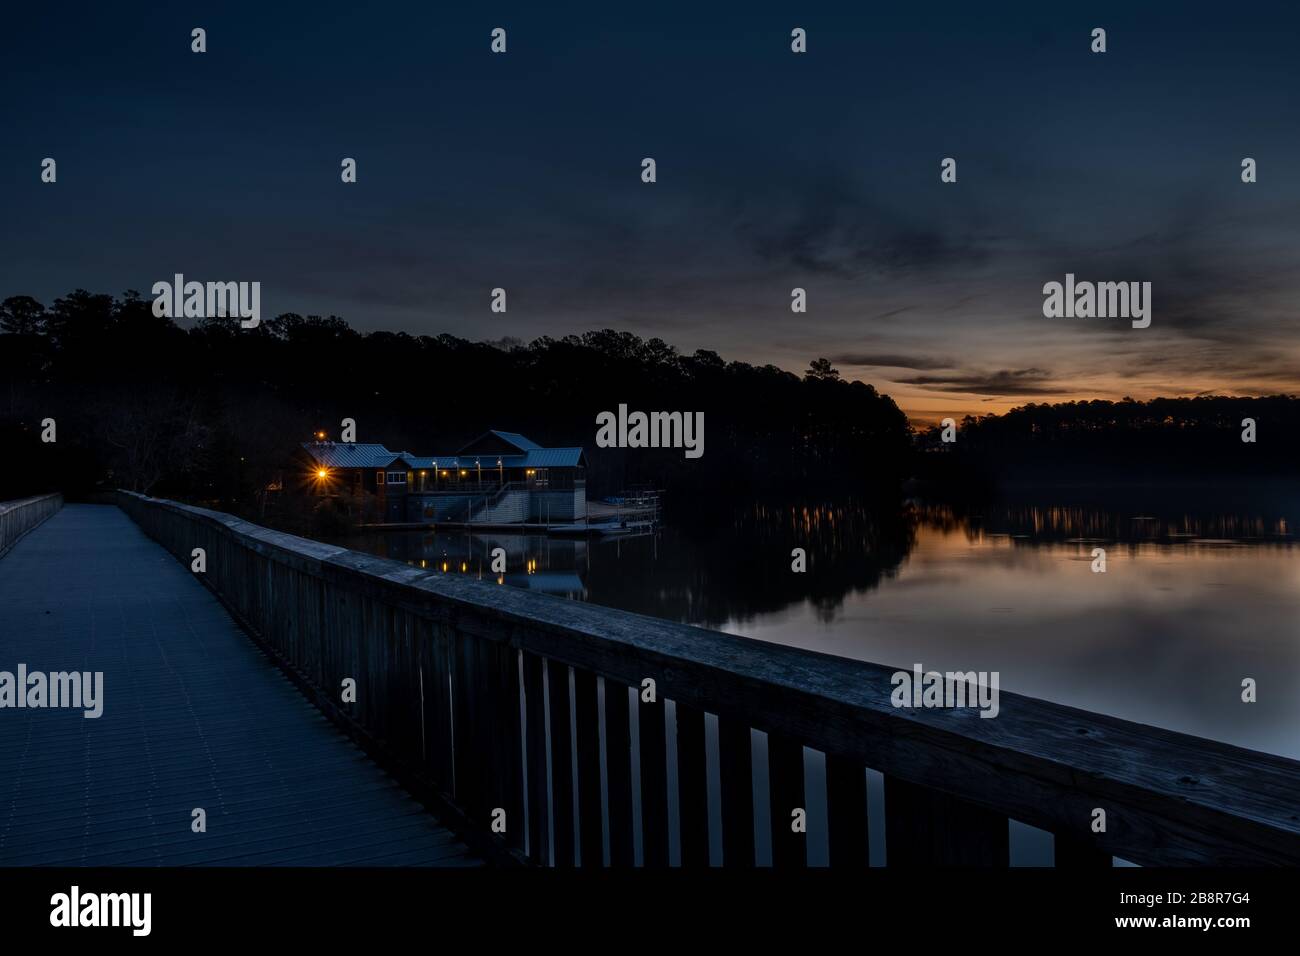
[
  {"x": 706, "y": 575},
  {"x": 1194, "y": 598}
]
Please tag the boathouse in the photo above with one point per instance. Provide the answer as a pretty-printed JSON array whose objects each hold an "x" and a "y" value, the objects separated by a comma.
[{"x": 498, "y": 478}]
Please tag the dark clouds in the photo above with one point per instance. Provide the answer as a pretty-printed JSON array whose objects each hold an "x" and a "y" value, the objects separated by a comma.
[
  {"x": 819, "y": 171},
  {"x": 829, "y": 228},
  {"x": 1025, "y": 381},
  {"x": 888, "y": 360}
]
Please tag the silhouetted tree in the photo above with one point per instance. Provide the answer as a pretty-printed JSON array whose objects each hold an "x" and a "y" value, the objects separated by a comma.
[
  {"x": 822, "y": 369},
  {"x": 22, "y": 315}
]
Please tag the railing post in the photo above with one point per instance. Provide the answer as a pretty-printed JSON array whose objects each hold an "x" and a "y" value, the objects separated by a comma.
[
  {"x": 539, "y": 834},
  {"x": 506, "y": 744},
  {"x": 785, "y": 786},
  {"x": 465, "y": 722},
  {"x": 435, "y": 671},
  {"x": 618, "y": 772},
  {"x": 692, "y": 786},
  {"x": 736, "y": 760},
  {"x": 587, "y": 719},
  {"x": 654, "y": 782},
  {"x": 557, "y": 687},
  {"x": 846, "y": 811}
]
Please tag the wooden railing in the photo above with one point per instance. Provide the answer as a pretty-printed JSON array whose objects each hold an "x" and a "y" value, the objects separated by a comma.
[
  {"x": 19, "y": 517},
  {"x": 472, "y": 689}
]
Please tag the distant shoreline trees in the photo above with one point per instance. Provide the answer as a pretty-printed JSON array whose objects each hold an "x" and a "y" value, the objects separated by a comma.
[
  {"x": 1163, "y": 439},
  {"x": 211, "y": 412}
]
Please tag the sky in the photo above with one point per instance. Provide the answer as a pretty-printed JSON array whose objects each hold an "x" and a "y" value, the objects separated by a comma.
[{"x": 775, "y": 170}]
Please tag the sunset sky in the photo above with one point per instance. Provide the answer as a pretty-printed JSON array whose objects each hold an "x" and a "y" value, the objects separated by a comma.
[{"x": 775, "y": 170}]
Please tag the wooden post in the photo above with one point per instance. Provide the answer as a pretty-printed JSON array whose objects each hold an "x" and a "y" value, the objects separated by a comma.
[
  {"x": 846, "y": 811},
  {"x": 692, "y": 786},
  {"x": 469, "y": 755},
  {"x": 785, "y": 785},
  {"x": 436, "y": 708},
  {"x": 654, "y": 783},
  {"x": 539, "y": 836},
  {"x": 587, "y": 720},
  {"x": 557, "y": 686},
  {"x": 736, "y": 761},
  {"x": 507, "y": 784},
  {"x": 618, "y": 771}
]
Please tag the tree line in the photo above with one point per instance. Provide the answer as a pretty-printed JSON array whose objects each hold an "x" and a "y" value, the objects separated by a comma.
[
  {"x": 1206, "y": 438},
  {"x": 212, "y": 412}
]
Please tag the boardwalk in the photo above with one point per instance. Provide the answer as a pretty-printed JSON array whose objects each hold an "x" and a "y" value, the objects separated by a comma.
[
  {"x": 194, "y": 716},
  {"x": 455, "y": 682}
]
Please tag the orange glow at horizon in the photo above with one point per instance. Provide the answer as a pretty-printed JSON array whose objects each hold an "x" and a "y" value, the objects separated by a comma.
[{"x": 925, "y": 408}]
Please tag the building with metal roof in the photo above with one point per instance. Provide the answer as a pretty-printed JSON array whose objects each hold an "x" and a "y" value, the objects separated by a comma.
[
  {"x": 330, "y": 454},
  {"x": 512, "y": 438},
  {"x": 499, "y": 477}
]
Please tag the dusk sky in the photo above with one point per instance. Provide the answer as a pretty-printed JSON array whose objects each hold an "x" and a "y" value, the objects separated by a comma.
[{"x": 775, "y": 170}]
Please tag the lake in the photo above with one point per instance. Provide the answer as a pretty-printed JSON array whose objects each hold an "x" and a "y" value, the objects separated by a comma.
[{"x": 1201, "y": 590}]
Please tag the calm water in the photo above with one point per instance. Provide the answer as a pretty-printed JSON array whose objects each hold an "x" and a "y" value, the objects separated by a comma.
[{"x": 1202, "y": 589}]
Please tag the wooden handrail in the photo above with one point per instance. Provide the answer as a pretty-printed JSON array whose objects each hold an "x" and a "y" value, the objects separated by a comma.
[
  {"x": 21, "y": 516},
  {"x": 1169, "y": 798}
]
